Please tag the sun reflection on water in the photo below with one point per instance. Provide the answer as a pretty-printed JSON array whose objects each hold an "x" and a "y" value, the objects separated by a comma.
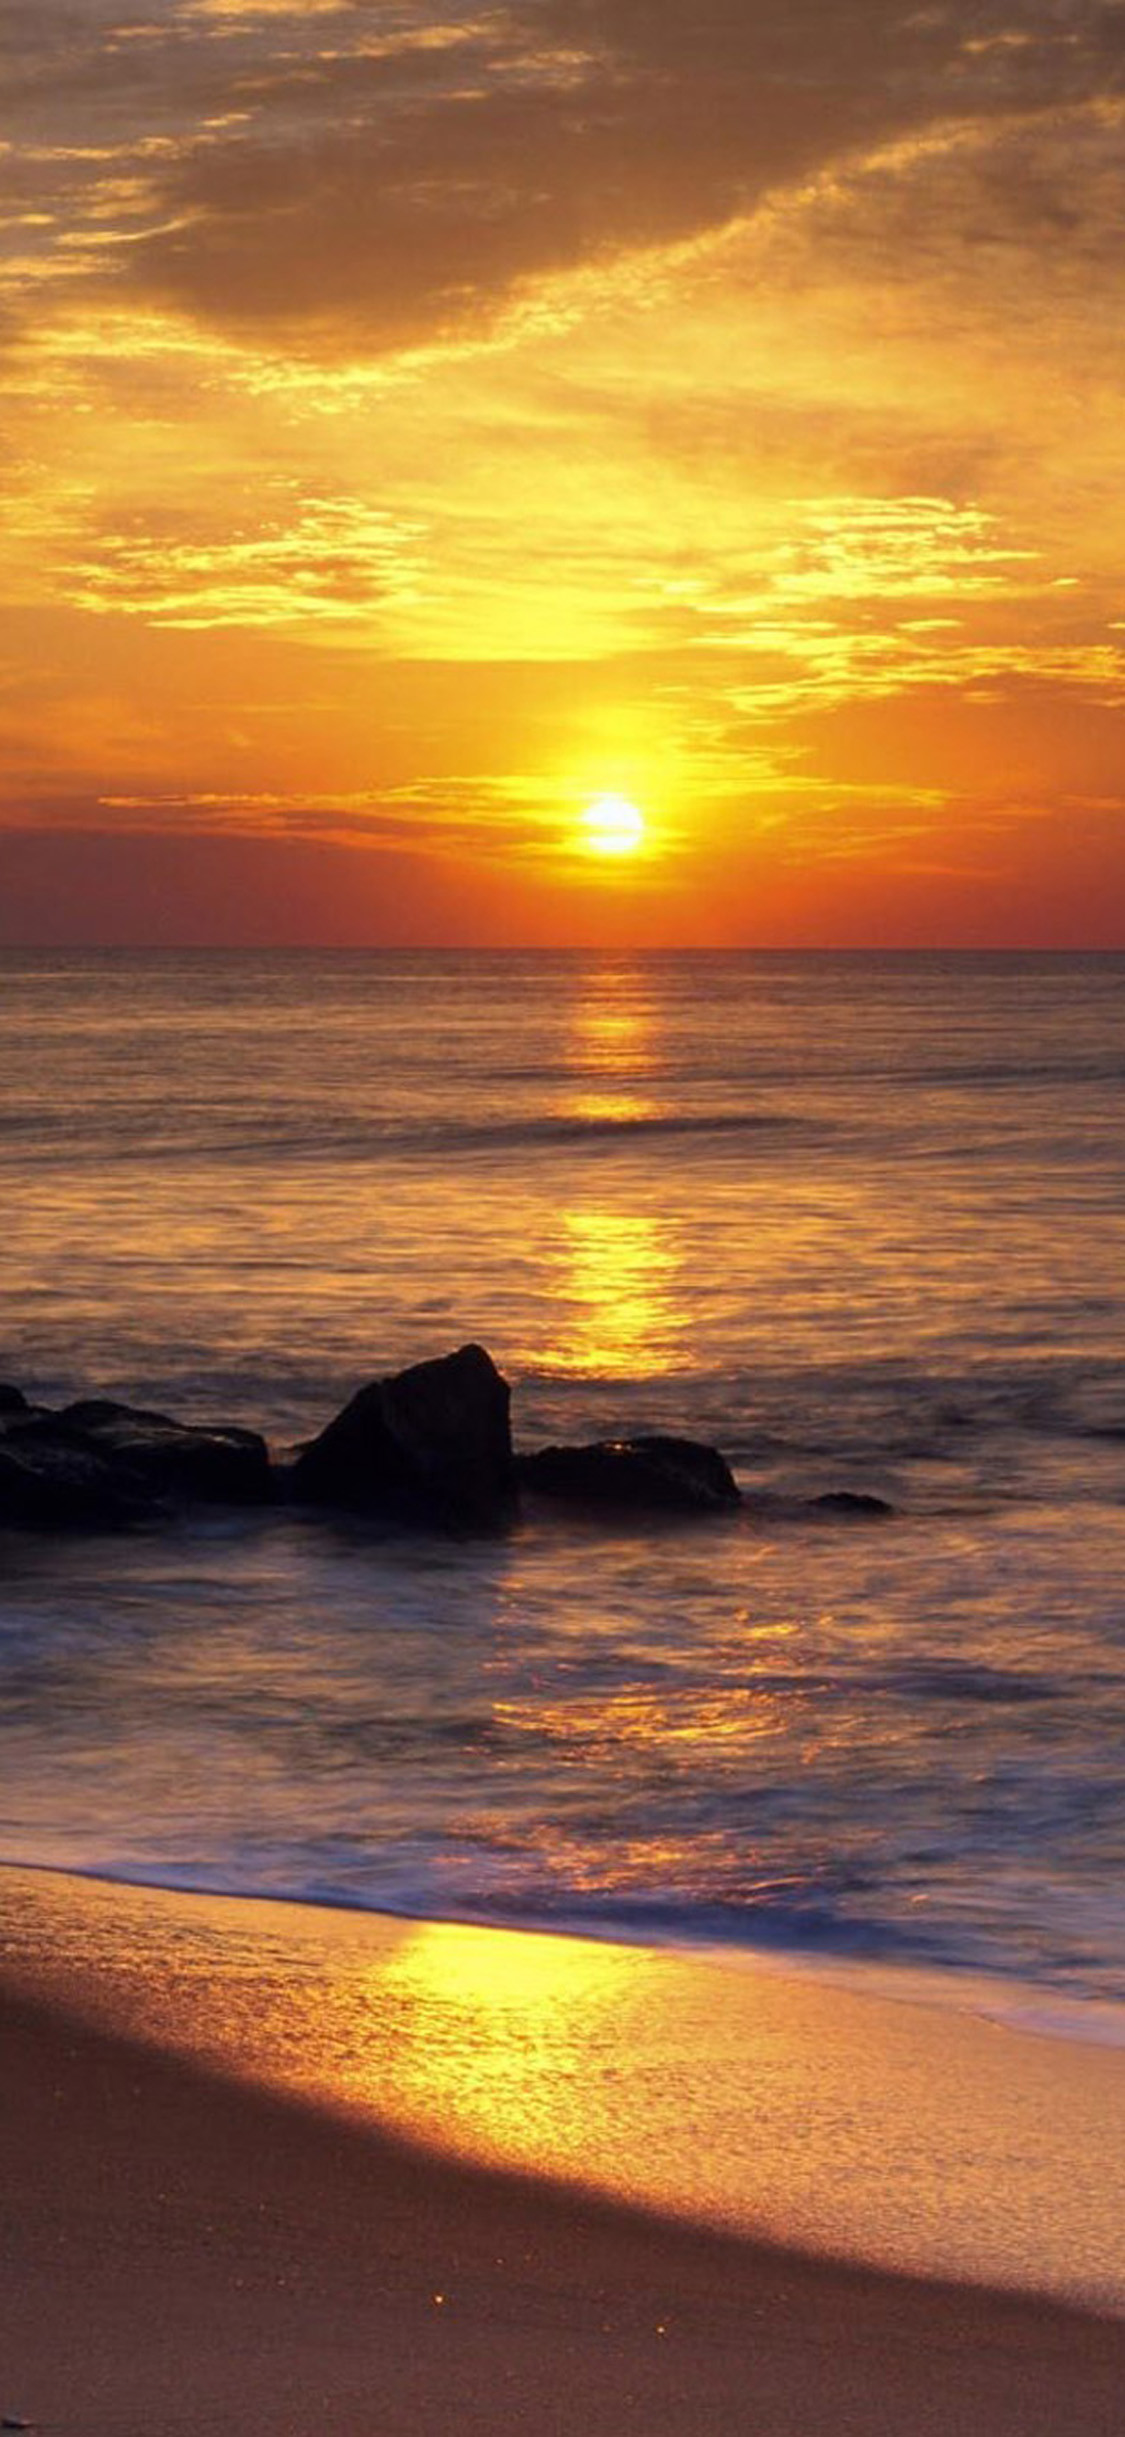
[
  {"x": 616, "y": 1307},
  {"x": 618, "y": 1311},
  {"x": 612, "y": 1027}
]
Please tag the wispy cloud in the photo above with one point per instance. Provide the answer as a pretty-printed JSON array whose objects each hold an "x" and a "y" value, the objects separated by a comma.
[{"x": 324, "y": 562}]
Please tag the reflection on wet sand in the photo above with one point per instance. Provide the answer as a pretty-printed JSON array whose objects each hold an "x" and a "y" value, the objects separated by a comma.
[
  {"x": 817, "y": 2111},
  {"x": 505, "y": 2038}
]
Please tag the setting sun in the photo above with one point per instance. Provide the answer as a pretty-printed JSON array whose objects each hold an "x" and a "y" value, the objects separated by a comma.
[{"x": 613, "y": 826}]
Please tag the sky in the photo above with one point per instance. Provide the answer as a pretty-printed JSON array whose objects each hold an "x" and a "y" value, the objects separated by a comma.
[{"x": 418, "y": 422}]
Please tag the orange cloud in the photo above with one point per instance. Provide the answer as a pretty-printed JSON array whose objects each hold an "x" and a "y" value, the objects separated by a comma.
[{"x": 420, "y": 420}]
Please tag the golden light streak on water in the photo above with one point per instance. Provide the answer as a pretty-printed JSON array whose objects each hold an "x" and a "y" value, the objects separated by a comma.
[
  {"x": 618, "y": 1311},
  {"x": 618, "y": 1301},
  {"x": 611, "y": 1025}
]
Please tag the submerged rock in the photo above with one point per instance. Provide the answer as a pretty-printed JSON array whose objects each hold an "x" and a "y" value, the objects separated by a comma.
[
  {"x": 669, "y": 1475},
  {"x": 431, "y": 1443},
  {"x": 851, "y": 1502}
]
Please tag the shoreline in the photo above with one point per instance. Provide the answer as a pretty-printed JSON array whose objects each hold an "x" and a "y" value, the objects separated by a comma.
[
  {"x": 820, "y": 2113},
  {"x": 187, "y": 2250},
  {"x": 1033, "y": 2009}
]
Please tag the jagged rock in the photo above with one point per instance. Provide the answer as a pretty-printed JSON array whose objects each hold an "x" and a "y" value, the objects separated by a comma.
[
  {"x": 12, "y": 1402},
  {"x": 48, "y": 1486},
  {"x": 433, "y": 1442},
  {"x": 851, "y": 1502},
  {"x": 676, "y": 1476}
]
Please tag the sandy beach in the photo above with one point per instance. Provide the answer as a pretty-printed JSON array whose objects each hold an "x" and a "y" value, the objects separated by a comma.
[{"x": 186, "y": 2244}]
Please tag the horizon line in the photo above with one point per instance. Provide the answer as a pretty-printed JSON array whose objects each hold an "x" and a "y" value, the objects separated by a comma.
[{"x": 312, "y": 947}]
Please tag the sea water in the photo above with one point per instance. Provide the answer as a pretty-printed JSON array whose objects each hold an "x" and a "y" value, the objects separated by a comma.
[{"x": 859, "y": 1220}]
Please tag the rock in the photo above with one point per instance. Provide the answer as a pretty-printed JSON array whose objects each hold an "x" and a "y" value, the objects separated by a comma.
[
  {"x": 851, "y": 1502},
  {"x": 15, "y": 1410},
  {"x": 432, "y": 1443},
  {"x": 670, "y": 1475},
  {"x": 46, "y": 1486},
  {"x": 172, "y": 1459},
  {"x": 99, "y": 1465}
]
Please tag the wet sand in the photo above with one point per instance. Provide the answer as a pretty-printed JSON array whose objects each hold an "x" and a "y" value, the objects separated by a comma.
[{"x": 185, "y": 2246}]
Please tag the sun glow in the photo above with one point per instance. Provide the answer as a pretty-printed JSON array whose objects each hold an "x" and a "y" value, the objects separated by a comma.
[{"x": 613, "y": 826}]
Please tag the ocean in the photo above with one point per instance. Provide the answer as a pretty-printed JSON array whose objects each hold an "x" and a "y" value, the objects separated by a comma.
[{"x": 859, "y": 1220}]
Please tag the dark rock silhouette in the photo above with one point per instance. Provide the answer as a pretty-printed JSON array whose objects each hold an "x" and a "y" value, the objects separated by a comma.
[
  {"x": 100, "y": 1466},
  {"x": 431, "y": 1443},
  {"x": 176, "y": 1459},
  {"x": 46, "y": 1486},
  {"x": 851, "y": 1502},
  {"x": 668, "y": 1475}
]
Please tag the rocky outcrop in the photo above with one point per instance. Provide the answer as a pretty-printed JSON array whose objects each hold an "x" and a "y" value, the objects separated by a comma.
[
  {"x": 432, "y": 1443},
  {"x": 173, "y": 1459},
  {"x": 661, "y": 1475},
  {"x": 46, "y": 1486},
  {"x": 100, "y": 1466}
]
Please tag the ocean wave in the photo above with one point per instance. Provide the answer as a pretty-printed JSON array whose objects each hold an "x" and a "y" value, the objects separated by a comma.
[
  {"x": 782, "y": 1920},
  {"x": 346, "y": 1142},
  {"x": 887, "y": 1964},
  {"x": 942, "y": 1679},
  {"x": 578, "y": 1129}
]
